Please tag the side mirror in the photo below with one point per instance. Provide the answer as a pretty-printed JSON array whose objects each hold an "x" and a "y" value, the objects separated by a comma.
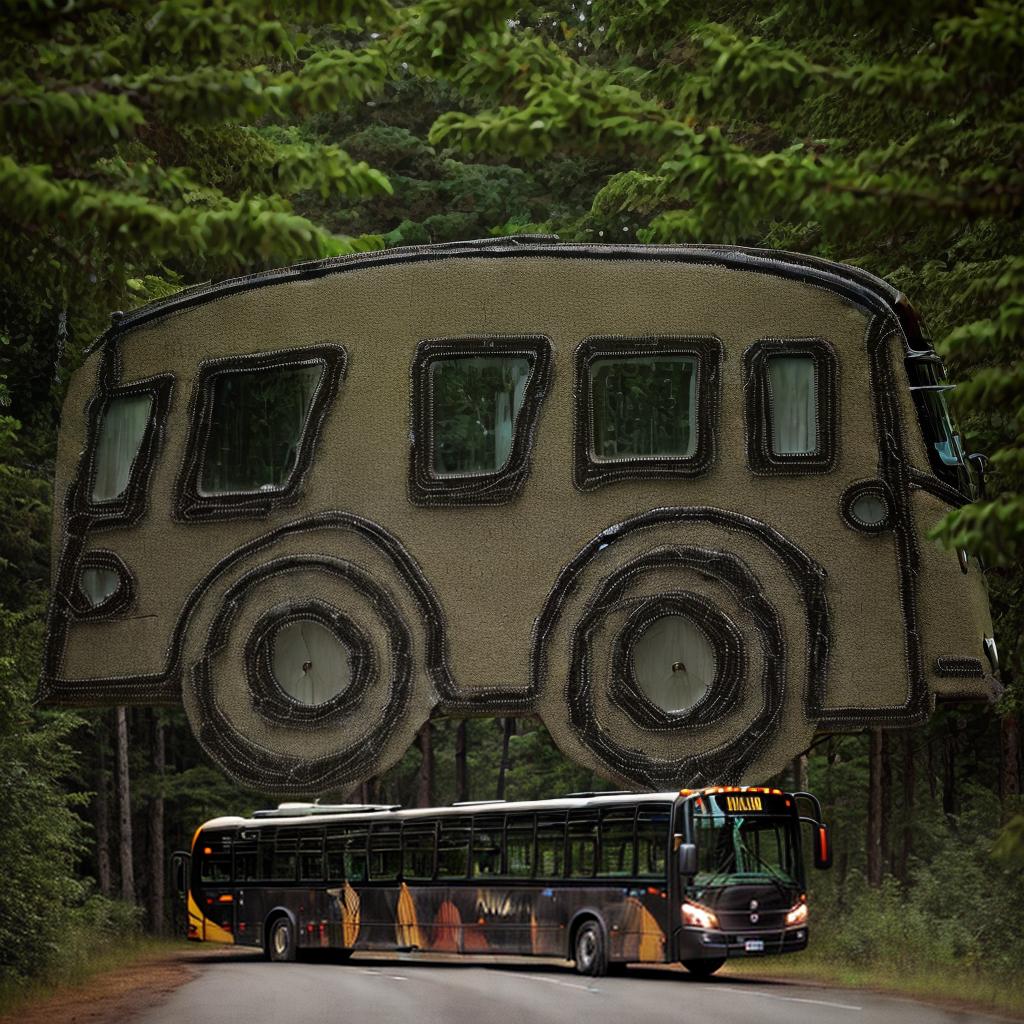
[
  {"x": 687, "y": 860},
  {"x": 822, "y": 847},
  {"x": 180, "y": 862},
  {"x": 980, "y": 464}
]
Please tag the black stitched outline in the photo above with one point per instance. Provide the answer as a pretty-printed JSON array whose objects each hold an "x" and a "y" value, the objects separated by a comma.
[
  {"x": 191, "y": 505},
  {"x": 729, "y": 760},
  {"x": 761, "y": 458},
  {"x": 590, "y": 472},
  {"x": 457, "y": 489},
  {"x": 252, "y": 764},
  {"x": 130, "y": 505},
  {"x": 852, "y": 492},
  {"x": 949, "y": 667},
  {"x": 269, "y": 697},
  {"x": 936, "y": 487},
  {"x": 117, "y": 603},
  {"x": 730, "y": 663}
]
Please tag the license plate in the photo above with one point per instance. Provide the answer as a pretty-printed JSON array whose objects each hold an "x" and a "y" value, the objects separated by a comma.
[{"x": 753, "y": 946}]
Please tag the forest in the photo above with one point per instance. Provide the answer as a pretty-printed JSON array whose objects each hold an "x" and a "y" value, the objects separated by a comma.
[{"x": 149, "y": 145}]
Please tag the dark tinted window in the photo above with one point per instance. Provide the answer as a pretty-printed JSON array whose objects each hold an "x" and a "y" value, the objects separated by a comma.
[
  {"x": 550, "y": 845},
  {"x": 582, "y": 843},
  {"x": 652, "y": 840},
  {"x": 453, "y": 848},
  {"x": 418, "y": 850},
  {"x": 617, "y": 846},
  {"x": 487, "y": 845},
  {"x": 519, "y": 845},
  {"x": 311, "y": 858},
  {"x": 385, "y": 851},
  {"x": 257, "y": 421},
  {"x": 214, "y": 850},
  {"x": 346, "y": 852}
]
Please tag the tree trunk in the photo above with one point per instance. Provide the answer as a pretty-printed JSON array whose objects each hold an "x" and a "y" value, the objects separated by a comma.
[
  {"x": 885, "y": 839},
  {"x": 156, "y": 829},
  {"x": 508, "y": 731},
  {"x": 949, "y": 744},
  {"x": 1009, "y": 744},
  {"x": 800, "y": 773},
  {"x": 874, "y": 823},
  {"x": 124, "y": 806},
  {"x": 101, "y": 810},
  {"x": 461, "y": 772},
  {"x": 425, "y": 779},
  {"x": 909, "y": 782}
]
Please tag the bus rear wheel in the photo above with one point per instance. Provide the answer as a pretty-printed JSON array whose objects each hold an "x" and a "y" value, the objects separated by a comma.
[
  {"x": 703, "y": 968},
  {"x": 281, "y": 943},
  {"x": 591, "y": 950}
]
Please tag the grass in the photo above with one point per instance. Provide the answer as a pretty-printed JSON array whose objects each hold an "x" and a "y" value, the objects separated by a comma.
[
  {"x": 82, "y": 960},
  {"x": 960, "y": 985}
]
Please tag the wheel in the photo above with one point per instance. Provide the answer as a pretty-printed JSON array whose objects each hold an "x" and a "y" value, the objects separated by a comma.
[
  {"x": 703, "y": 968},
  {"x": 282, "y": 941},
  {"x": 591, "y": 950}
]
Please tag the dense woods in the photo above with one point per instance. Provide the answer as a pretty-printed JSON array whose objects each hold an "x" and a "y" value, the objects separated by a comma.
[{"x": 149, "y": 146}]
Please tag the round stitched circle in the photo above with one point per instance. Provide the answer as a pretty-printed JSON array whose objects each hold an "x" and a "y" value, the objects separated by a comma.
[{"x": 867, "y": 506}]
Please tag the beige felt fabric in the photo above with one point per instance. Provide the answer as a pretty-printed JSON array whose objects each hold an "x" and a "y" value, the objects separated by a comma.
[{"x": 492, "y": 568}]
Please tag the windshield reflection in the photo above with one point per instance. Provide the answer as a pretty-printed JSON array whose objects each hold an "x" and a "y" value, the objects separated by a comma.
[{"x": 733, "y": 849}]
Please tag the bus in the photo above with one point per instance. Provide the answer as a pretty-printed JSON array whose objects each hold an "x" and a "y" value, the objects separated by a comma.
[
  {"x": 671, "y": 500},
  {"x": 602, "y": 879}
]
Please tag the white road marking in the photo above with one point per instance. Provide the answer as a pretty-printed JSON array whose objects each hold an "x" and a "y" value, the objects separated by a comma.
[
  {"x": 564, "y": 984},
  {"x": 398, "y": 977},
  {"x": 789, "y": 999}
]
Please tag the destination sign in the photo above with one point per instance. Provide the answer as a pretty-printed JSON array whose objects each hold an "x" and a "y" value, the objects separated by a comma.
[{"x": 749, "y": 803}]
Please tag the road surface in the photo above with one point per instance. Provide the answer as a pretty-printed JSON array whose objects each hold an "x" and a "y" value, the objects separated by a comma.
[{"x": 372, "y": 988}]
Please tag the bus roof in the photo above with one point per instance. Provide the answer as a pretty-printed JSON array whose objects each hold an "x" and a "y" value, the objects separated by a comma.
[
  {"x": 853, "y": 283},
  {"x": 302, "y": 813}
]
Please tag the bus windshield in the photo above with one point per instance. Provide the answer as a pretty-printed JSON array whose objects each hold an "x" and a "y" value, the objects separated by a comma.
[{"x": 735, "y": 849}]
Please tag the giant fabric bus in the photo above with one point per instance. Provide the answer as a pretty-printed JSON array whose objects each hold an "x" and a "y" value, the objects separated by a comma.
[
  {"x": 673, "y": 501},
  {"x": 602, "y": 879}
]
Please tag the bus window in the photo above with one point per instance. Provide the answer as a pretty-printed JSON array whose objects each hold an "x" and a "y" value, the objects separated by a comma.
[
  {"x": 793, "y": 404},
  {"x": 476, "y": 402},
  {"x": 385, "y": 851},
  {"x": 453, "y": 848},
  {"x": 618, "y": 846},
  {"x": 214, "y": 857},
  {"x": 550, "y": 845},
  {"x": 487, "y": 845},
  {"x": 418, "y": 850},
  {"x": 652, "y": 840},
  {"x": 346, "y": 853},
  {"x": 644, "y": 405},
  {"x": 121, "y": 431},
  {"x": 582, "y": 844},
  {"x": 246, "y": 861},
  {"x": 256, "y": 423},
  {"x": 285, "y": 855},
  {"x": 519, "y": 845},
  {"x": 311, "y": 858}
]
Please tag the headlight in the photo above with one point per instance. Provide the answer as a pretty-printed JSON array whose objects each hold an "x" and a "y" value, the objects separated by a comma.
[
  {"x": 698, "y": 917},
  {"x": 798, "y": 915}
]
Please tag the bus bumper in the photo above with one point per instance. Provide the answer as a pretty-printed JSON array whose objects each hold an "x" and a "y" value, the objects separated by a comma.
[{"x": 712, "y": 944}]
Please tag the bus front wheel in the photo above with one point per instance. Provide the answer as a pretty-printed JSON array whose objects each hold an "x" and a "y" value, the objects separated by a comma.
[
  {"x": 591, "y": 950},
  {"x": 281, "y": 944},
  {"x": 703, "y": 968}
]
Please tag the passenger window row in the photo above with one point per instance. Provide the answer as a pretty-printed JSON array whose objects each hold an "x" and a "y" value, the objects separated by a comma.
[{"x": 644, "y": 407}]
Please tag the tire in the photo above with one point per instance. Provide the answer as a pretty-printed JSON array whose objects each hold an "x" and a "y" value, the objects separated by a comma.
[
  {"x": 703, "y": 968},
  {"x": 591, "y": 950},
  {"x": 281, "y": 941}
]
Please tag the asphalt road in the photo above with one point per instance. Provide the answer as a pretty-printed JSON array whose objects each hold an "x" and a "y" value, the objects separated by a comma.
[{"x": 237, "y": 989}]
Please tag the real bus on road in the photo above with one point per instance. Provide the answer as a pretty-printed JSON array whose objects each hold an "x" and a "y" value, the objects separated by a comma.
[{"x": 696, "y": 877}]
